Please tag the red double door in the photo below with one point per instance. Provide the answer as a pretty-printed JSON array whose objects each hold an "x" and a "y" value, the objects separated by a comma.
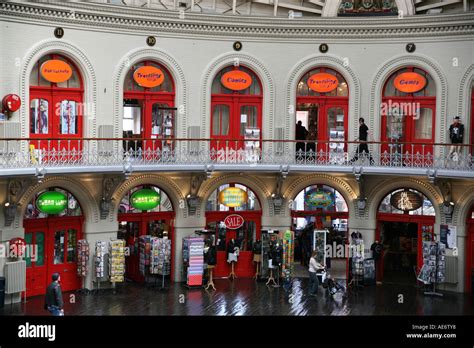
[
  {"x": 245, "y": 236},
  {"x": 235, "y": 118},
  {"x": 425, "y": 232},
  {"x": 54, "y": 242},
  {"x": 408, "y": 125},
  {"x": 56, "y": 114},
  {"x": 134, "y": 225},
  {"x": 470, "y": 253}
]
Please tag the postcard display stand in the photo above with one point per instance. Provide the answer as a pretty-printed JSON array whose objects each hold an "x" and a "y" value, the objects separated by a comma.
[
  {"x": 144, "y": 246},
  {"x": 252, "y": 144},
  {"x": 288, "y": 254},
  {"x": 433, "y": 270},
  {"x": 357, "y": 265},
  {"x": 268, "y": 237},
  {"x": 101, "y": 253},
  {"x": 337, "y": 134},
  {"x": 82, "y": 260},
  {"x": 160, "y": 262},
  {"x": 193, "y": 260},
  {"x": 117, "y": 261}
]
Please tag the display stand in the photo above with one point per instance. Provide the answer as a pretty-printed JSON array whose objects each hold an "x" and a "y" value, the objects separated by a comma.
[
  {"x": 116, "y": 262},
  {"x": 100, "y": 263},
  {"x": 357, "y": 264},
  {"x": 434, "y": 266},
  {"x": 271, "y": 279},
  {"x": 193, "y": 261},
  {"x": 257, "y": 270},
  {"x": 268, "y": 237},
  {"x": 83, "y": 263},
  {"x": 210, "y": 282},
  {"x": 232, "y": 271}
]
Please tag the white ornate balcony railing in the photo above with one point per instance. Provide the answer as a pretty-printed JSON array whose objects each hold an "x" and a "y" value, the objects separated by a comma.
[{"x": 69, "y": 153}]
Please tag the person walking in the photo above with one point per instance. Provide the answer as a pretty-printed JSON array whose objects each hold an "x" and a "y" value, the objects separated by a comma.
[
  {"x": 314, "y": 267},
  {"x": 300, "y": 134},
  {"x": 363, "y": 135},
  {"x": 54, "y": 297},
  {"x": 456, "y": 135}
]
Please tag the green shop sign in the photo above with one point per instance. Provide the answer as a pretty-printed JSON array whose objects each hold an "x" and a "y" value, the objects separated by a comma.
[
  {"x": 319, "y": 198},
  {"x": 145, "y": 199},
  {"x": 51, "y": 202}
]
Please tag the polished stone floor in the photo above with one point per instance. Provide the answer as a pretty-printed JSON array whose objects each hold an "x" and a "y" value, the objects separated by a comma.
[{"x": 248, "y": 297}]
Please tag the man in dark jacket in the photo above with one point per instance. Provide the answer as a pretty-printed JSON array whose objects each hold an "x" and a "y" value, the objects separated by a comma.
[
  {"x": 456, "y": 135},
  {"x": 54, "y": 297},
  {"x": 363, "y": 135}
]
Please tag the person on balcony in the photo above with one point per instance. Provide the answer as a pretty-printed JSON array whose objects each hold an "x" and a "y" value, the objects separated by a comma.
[
  {"x": 456, "y": 135},
  {"x": 312, "y": 136},
  {"x": 363, "y": 135},
  {"x": 300, "y": 134}
]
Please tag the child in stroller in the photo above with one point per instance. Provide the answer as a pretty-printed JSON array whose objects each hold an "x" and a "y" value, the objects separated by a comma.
[{"x": 333, "y": 287}]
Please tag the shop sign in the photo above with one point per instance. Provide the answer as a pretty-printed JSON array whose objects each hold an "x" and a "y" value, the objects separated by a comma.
[
  {"x": 323, "y": 82},
  {"x": 406, "y": 200},
  {"x": 319, "y": 198},
  {"x": 145, "y": 199},
  {"x": 148, "y": 76},
  {"x": 18, "y": 246},
  {"x": 233, "y": 197},
  {"x": 233, "y": 222},
  {"x": 409, "y": 82},
  {"x": 236, "y": 80},
  {"x": 55, "y": 70},
  {"x": 51, "y": 202}
]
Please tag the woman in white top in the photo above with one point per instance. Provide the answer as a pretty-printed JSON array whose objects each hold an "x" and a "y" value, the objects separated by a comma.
[{"x": 314, "y": 266}]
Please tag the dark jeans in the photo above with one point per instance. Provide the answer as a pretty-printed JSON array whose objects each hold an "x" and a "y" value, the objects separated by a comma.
[
  {"x": 363, "y": 147},
  {"x": 55, "y": 311},
  {"x": 313, "y": 283}
]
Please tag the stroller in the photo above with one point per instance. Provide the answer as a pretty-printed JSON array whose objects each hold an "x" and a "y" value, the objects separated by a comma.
[{"x": 332, "y": 286}]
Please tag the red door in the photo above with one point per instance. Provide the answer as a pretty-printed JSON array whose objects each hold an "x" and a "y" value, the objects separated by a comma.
[
  {"x": 472, "y": 123},
  {"x": 470, "y": 252},
  {"x": 246, "y": 235},
  {"x": 56, "y": 239}
]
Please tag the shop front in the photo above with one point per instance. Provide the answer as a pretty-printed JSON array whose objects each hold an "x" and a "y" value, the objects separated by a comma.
[
  {"x": 236, "y": 111},
  {"x": 470, "y": 252},
  {"x": 145, "y": 211},
  {"x": 321, "y": 207},
  {"x": 56, "y": 107},
  {"x": 234, "y": 213},
  {"x": 322, "y": 99},
  {"x": 408, "y": 113},
  {"x": 148, "y": 108},
  {"x": 53, "y": 224},
  {"x": 405, "y": 220}
]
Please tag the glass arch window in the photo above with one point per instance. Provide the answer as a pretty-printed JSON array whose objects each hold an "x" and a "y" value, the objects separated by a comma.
[
  {"x": 37, "y": 80},
  {"x": 338, "y": 204},
  {"x": 426, "y": 208},
  {"x": 304, "y": 91},
  {"x": 164, "y": 206},
  {"x": 254, "y": 89},
  {"x": 214, "y": 205},
  {"x": 428, "y": 91},
  {"x": 73, "y": 207},
  {"x": 131, "y": 86}
]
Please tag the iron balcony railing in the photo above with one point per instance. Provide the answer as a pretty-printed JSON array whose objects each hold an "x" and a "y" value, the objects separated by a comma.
[{"x": 94, "y": 152}]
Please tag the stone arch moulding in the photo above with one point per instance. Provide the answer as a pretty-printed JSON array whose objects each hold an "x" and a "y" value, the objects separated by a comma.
[
  {"x": 162, "y": 57},
  {"x": 169, "y": 186},
  {"x": 464, "y": 106},
  {"x": 340, "y": 185},
  {"x": 315, "y": 61},
  {"x": 331, "y": 7},
  {"x": 252, "y": 182},
  {"x": 258, "y": 68},
  {"x": 463, "y": 205},
  {"x": 391, "y": 66},
  {"x": 387, "y": 186},
  {"x": 88, "y": 75},
  {"x": 88, "y": 203}
]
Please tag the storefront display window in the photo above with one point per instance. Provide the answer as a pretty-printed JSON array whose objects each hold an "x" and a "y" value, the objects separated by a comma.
[
  {"x": 426, "y": 208},
  {"x": 213, "y": 203},
  {"x": 59, "y": 247},
  {"x": 73, "y": 208},
  {"x": 126, "y": 205},
  {"x": 39, "y": 111},
  {"x": 253, "y": 89}
]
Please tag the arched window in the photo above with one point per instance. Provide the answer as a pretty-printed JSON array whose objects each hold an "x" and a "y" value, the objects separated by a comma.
[
  {"x": 126, "y": 205},
  {"x": 367, "y": 8},
  {"x": 72, "y": 208},
  {"x": 251, "y": 203},
  {"x": 304, "y": 90},
  {"x": 426, "y": 208},
  {"x": 254, "y": 89}
]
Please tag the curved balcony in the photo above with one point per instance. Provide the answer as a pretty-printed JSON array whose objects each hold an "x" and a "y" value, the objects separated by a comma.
[{"x": 55, "y": 156}]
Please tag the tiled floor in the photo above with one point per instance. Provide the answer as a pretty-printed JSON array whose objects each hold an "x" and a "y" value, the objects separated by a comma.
[{"x": 247, "y": 297}]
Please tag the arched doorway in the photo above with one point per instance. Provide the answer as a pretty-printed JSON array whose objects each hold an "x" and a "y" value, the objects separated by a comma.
[
  {"x": 233, "y": 212},
  {"x": 146, "y": 210},
  {"x": 148, "y": 107},
  {"x": 56, "y": 105},
  {"x": 470, "y": 251},
  {"x": 321, "y": 207},
  {"x": 322, "y": 99},
  {"x": 405, "y": 219},
  {"x": 53, "y": 223},
  {"x": 408, "y": 113},
  {"x": 236, "y": 109}
]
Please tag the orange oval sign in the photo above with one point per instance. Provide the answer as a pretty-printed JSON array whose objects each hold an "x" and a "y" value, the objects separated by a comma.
[
  {"x": 323, "y": 82},
  {"x": 55, "y": 70},
  {"x": 236, "y": 80},
  {"x": 148, "y": 76},
  {"x": 409, "y": 82}
]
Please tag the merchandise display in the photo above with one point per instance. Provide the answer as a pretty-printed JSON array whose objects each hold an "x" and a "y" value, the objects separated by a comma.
[
  {"x": 144, "y": 245},
  {"x": 100, "y": 252},
  {"x": 433, "y": 270},
  {"x": 288, "y": 252},
  {"x": 160, "y": 262},
  {"x": 357, "y": 261},
  {"x": 269, "y": 238},
  {"x": 82, "y": 257},
  {"x": 319, "y": 244},
  {"x": 117, "y": 261},
  {"x": 193, "y": 260}
]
